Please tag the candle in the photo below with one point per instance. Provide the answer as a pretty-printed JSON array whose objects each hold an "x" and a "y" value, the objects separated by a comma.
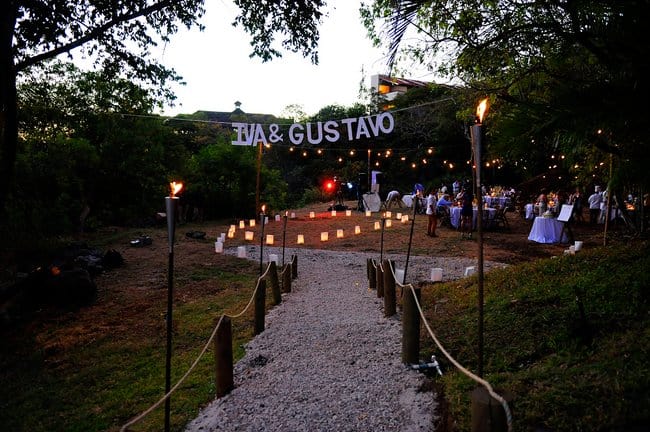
[
  {"x": 251, "y": 223},
  {"x": 324, "y": 236},
  {"x": 241, "y": 224},
  {"x": 377, "y": 225},
  {"x": 241, "y": 252},
  {"x": 218, "y": 247},
  {"x": 339, "y": 233},
  {"x": 357, "y": 229},
  {"x": 269, "y": 239},
  {"x": 301, "y": 239},
  {"x": 348, "y": 212},
  {"x": 312, "y": 215},
  {"x": 248, "y": 235},
  {"x": 368, "y": 213}
]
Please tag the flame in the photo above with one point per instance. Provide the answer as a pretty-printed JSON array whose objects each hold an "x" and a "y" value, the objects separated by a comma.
[
  {"x": 175, "y": 188},
  {"x": 263, "y": 208},
  {"x": 481, "y": 109}
]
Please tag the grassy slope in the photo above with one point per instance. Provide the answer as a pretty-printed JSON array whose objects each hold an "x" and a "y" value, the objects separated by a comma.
[{"x": 567, "y": 370}]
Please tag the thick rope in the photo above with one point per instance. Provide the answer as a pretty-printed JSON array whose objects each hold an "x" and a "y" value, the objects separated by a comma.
[
  {"x": 460, "y": 367},
  {"x": 191, "y": 368}
]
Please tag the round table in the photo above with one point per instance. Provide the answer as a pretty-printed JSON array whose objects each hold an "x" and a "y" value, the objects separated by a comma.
[
  {"x": 454, "y": 216},
  {"x": 547, "y": 230}
]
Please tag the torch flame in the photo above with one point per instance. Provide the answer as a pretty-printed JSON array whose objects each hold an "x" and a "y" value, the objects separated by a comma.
[
  {"x": 263, "y": 208},
  {"x": 481, "y": 109},
  {"x": 175, "y": 188}
]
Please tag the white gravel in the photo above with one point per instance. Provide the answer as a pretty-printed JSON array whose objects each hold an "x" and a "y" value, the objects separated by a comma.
[{"x": 328, "y": 360}]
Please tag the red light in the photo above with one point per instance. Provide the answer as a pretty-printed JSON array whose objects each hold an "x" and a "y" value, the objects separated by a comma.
[{"x": 329, "y": 185}]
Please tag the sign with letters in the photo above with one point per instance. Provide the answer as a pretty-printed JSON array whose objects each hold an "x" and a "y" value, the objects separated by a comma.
[{"x": 332, "y": 131}]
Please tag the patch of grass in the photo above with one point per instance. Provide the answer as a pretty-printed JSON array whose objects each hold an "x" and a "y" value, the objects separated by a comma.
[
  {"x": 567, "y": 336},
  {"x": 61, "y": 375}
]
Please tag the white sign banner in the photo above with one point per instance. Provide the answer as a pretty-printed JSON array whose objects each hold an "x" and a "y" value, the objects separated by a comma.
[{"x": 332, "y": 131}]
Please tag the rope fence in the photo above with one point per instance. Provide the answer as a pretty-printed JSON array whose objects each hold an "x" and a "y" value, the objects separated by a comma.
[
  {"x": 142, "y": 415},
  {"x": 458, "y": 366}
]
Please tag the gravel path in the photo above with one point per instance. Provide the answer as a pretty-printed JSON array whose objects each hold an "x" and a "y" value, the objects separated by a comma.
[{"x": 328, "y": 359}]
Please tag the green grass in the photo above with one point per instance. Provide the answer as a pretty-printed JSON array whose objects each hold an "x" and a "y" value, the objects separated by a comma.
[
  {"x": 101, "y": 384},
  {"x": 568, "y": 337}
]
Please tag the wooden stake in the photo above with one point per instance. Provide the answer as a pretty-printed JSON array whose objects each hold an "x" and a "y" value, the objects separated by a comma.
[
  {"x": 223, "y": 358},
  {"x": 275, "y": 283},
  {"x": 390, "y": 307},
  {"x": 410, "y": 327},
  {"x": 260, "y": 307},
  {"x": 372, "y": 274},
  {"x": 380, "y": 281},
  {"x": 286, "y": 278}
]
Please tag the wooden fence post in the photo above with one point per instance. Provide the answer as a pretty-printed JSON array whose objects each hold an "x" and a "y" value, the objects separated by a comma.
[
  {"x": 390, "y": 306},
  {"x": 223, "y": 358},
  {"x": 380, "y": 280},
  {"x": 286, "y": 278},
  {"x": 294, "y": 266},
  {"x": 260, "y": 307},
  {"x": 275, "y": 283},
  {"x": 372, "y": 274},
  {"x": 410, "y": 327},
  {"x": 488, "y": 414}
]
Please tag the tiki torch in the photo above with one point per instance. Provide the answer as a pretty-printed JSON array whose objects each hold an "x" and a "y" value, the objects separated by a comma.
[
  {"x": 171, "y": 205},
  {"x": 262, "y": 217},
  {"x": 477, "y": 135},
  {"x": 416, "y": 201},
  {"x": 284, "y": 234}
]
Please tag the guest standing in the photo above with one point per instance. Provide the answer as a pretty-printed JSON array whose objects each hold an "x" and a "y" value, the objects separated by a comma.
[{"x": 432, "y": 213}]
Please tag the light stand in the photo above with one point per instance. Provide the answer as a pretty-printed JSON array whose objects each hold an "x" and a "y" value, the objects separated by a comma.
[
  {"x": 408, "y": 252},
  {"x": 262, "y": 220}
]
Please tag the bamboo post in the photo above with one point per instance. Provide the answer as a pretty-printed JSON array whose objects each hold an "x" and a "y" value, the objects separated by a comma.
[
  {"x": 286, "y": 278},
  {"x": 223, "y": 358},
  {"x": 372, "y": 274},
  {"x": 260, "y": 307},
  {"x": 275, "y": 283},
  {"x": 294, "y": 266},
  {"x": 390, "y": 307},
  {"x": 410, "y": 327},
  {"x": 380, "y": 280}
]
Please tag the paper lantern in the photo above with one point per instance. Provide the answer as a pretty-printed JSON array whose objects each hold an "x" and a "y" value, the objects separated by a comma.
[
  {"x": 222, "y": 237},
  {"x": 301, "y": 239},
  {"x": 241, "y": 252},
  {"x": 218, "y": 247},
  {"x": 388, "y": 214},
  {"x": 251, "y": 223},
  {"x": 405, "y": 218},
  {"x": 266, "y": 220},
  {"x": 241, "y": 224},
  {"x": 399, "y": 275},
  {"x": 436, "y": 274},
  {"x": 339, "y": 233},
  {"x": 398, "y": 216},
  {"x": 269, "y": 239},
  {"x": 248, "y": 235},
  {"x": 578, "y": 245},
  {"x": 389, "y": 223},
  {"x": 368, "y": 213},
  {"x": 469, "y": 270},
  {"x": 293, "y": 215},
  {"x": 324, "y": 236},
  {"x": 333, "y": 213},
  {"x": 277, "y": 218},
  {"x": 377, "y": 225},
  {"x": 357, "y": 229},
  {"x": 232, "y": 228},
  {"x": 312, "y": 215},
  {"x": 348, "y": 212},
  {"x": 231, "y": 234}
]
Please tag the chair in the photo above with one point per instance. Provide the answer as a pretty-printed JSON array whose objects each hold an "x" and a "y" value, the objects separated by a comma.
[
  {"x": 500, "y": 218},
  {"x": 444, "y": 216}
]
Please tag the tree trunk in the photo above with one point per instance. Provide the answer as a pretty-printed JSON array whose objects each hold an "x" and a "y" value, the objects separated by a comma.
[{"x": 8, "y": 102}]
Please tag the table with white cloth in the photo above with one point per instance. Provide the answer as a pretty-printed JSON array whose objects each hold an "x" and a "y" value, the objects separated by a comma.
[
  {"x": 454, "y": 216},
  {"x": 496, "y": 201},
  {"x": 547, "y": 230}
]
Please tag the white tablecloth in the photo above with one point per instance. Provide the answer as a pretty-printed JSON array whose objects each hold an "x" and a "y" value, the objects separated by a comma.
[
  {"x": 547, "y": 230},
  {"x": 529, "y": 212},
  {"x": 454, "y": 215},
  {"x": 494, "y": 201}
]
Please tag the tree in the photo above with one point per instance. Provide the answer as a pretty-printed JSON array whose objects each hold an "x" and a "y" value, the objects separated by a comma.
[
  {"x": 558, "y": 70},
  {"x": 118, "y": 36}
]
